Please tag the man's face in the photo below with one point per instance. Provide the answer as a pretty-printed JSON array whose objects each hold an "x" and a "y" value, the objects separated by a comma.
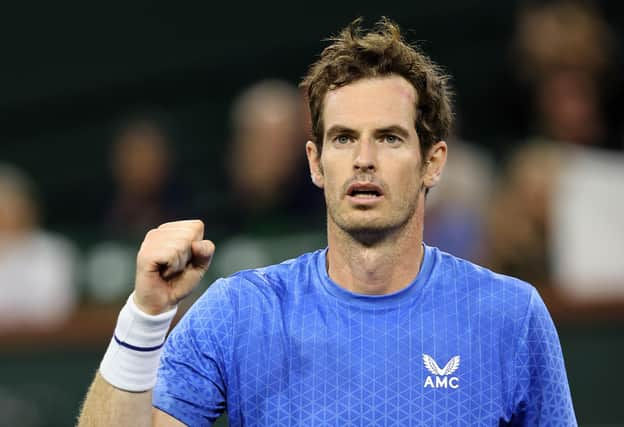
[{"x": 370, "y": 166}]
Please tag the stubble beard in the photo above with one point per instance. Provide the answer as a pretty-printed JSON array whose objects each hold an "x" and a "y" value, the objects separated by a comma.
[{"x": 377, "y": 230}]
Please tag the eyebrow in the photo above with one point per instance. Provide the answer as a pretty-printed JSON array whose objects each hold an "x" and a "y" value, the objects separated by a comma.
[
  {"x": 399, "y": 130},
  {"x": 338, "y": 129}
]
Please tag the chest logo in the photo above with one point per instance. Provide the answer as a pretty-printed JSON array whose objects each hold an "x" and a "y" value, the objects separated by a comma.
[{"x": 441, "y": 377}]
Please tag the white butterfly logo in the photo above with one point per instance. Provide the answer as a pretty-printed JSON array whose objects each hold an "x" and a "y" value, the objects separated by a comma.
[{"x": 433, "y": 367}]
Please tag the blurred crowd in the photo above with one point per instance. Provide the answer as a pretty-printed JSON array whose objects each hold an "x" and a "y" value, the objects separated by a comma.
[{"x": 549, "y": 211}]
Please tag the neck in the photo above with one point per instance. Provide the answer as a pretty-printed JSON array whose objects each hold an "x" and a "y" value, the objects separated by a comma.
[{"x": 377, "y": 265}]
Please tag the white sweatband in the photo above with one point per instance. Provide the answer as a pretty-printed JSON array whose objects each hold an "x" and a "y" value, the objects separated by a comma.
[{"x": 131, "y": 360}]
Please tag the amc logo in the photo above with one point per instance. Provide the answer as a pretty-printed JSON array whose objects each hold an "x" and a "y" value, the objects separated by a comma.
[{"x": 441, "y": 376}]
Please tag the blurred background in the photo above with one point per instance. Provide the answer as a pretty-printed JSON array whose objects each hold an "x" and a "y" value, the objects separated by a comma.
[{"x": 115, "y": 118}]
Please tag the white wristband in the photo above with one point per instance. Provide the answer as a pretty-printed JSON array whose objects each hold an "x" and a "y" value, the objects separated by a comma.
[{"x": 131, "y": 360}]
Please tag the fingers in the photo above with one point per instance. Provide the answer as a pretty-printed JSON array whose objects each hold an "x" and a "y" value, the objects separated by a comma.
[
  {"x": 198, "y": 255},
  {"x": 180, "y": 255},
  {"x": 170, "y": 263},
  {"x": 202, "y": 253},
  {"x": 168, "y": 248},
  {"x": 194, "y": 227},
  {"x": 174, "y": 258}
]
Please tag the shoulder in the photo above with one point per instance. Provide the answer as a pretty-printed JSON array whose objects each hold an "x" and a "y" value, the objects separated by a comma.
[
  {"x": 246, "y": 300},
  {"x": 290, "y": 277},
  {"x": 488, "y": 291},
  {"x": 461, "y": 269}
]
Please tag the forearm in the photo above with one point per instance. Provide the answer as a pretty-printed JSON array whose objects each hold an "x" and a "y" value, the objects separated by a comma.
[
  {"x": 117, "y": 396},
  {"x": 120, "y": 394},
  {"x": 106, "y": 405}
]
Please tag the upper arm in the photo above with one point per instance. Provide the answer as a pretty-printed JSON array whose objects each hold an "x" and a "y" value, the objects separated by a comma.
[
  {"x": 542, "y": 392},
  {"x": 191, "y": 379},
  {"x": 163, "y": 419}
]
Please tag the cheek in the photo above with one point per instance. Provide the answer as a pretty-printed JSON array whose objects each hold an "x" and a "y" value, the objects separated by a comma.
[
  {"x": 333, "y": 183},
  {"x": 405, "y": 172},
  {"x": 409, "y": 184},
  {"x": 329, "y": 171}
]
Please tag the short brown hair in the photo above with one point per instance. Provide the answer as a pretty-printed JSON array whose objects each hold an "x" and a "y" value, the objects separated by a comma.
[{"x": 355, "y": 54}]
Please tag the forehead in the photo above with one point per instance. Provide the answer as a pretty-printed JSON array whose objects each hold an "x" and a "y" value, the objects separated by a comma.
[{"x": 371, "y": 102}]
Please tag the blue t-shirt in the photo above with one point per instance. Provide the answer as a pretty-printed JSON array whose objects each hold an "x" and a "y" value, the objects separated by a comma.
[{"x": 286, "y": 346}]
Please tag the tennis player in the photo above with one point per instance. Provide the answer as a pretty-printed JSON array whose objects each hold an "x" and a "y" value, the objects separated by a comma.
[{"x": 376, "y": 329}]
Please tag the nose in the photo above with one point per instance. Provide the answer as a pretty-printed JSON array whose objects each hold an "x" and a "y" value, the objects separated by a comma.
[{"x": 365, "y": 156}]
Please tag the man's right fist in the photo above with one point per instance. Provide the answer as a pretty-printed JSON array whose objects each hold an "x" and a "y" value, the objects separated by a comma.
[{"x": 171, "y": 261}]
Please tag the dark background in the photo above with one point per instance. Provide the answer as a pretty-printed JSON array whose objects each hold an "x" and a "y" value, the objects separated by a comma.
[{"x": 69, "y": 70}]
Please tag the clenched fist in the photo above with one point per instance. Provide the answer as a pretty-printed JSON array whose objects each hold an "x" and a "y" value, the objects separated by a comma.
[{"x": 171, "y": 261}]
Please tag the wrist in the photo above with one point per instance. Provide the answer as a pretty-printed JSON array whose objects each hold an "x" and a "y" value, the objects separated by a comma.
[
  {"x": 151, "y": 303},
  {"x": 131, "y": 360}
]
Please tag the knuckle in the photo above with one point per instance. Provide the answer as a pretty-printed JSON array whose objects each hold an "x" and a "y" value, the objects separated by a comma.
[
  {"x": 171, "y": 224},
  {"x": 196, "y": 225},
  {"x": 178, "y": 243},
  {"x": 151, "y": 233}
]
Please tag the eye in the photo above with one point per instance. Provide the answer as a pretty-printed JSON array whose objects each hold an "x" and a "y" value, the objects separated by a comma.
[
  {"x": 343, "y": 139},
  {"x": 391, "y": 139}
]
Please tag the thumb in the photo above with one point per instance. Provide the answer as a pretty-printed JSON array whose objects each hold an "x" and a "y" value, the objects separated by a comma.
[{"x": 202, "y": 252}]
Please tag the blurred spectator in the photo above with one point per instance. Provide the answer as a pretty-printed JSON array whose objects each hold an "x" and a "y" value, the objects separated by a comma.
[
  {"x": 564, "y": 56},
  {"x": 266, "y": 158},
  {"x": 144, "y": 193},
  {"x": 519, "y": 215},
  {"x": 587, "y": 221},
  {"x": 560, "y": 34},
  {"x": 273, "y": 206},
  {"x": 568, "y": 114},
  {"x": 569, "y": 108},
  {"x": 37, "y": 268}
]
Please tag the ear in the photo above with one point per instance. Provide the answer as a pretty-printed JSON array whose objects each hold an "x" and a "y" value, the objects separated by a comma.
[
  {"x": 314, "y": 162},
  {"x": 434, "y": 164}
]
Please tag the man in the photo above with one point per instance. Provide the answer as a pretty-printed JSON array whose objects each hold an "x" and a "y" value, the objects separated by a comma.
[{"x": 377, "y": 329}]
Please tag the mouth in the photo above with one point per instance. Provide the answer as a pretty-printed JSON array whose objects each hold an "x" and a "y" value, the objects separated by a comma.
[{"x": 364, "y": 192}]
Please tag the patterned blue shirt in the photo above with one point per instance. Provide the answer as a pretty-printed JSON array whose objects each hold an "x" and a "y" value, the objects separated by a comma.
[{"x": 286, "y": 346}]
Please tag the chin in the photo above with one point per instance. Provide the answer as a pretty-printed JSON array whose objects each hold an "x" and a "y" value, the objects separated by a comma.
[
  {"x": 370, "y": 236},
  {"x": 368, "y": 231}
]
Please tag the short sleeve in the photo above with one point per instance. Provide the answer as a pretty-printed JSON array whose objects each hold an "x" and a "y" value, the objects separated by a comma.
[
  {"x": 542, "y": 394},
  {"x": 191, "y": 379}
]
